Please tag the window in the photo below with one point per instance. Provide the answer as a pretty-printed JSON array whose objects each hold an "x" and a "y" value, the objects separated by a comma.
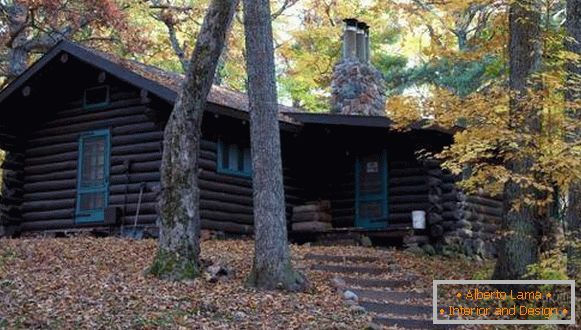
[
  {"x": 93, "y": 176},
  {"x": 96, "y": 97},
  {"x": 234, "y": 159}
]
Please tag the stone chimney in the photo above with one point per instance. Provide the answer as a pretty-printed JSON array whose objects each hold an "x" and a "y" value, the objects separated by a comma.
[{"x": 357, "y": 87}]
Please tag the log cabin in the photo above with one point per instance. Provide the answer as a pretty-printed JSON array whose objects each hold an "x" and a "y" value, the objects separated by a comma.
[{"x": 82, "y": 131}]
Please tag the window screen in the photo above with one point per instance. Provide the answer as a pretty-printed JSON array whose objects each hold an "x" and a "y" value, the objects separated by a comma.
[{"x": 234, "y": 159}]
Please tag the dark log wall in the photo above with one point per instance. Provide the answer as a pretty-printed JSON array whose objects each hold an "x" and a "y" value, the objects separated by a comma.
[
  {"x": 51, "y": 158},
  {"x": 329, "y": 172},
  {"x": 407, "y": 191},
  {"x": 11, "y": 191},
  {"x": 43, "y": 174},
  {"x": 465, "y": 223}
]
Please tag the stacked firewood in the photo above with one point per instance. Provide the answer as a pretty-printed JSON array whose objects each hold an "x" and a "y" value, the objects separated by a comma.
[{"x": 313, "y": 216}]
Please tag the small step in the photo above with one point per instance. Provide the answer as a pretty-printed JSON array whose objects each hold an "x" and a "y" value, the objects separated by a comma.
[
  {"x": 350, "y": 269},
  {"x": 333, "y": 258},
  {"x": 371, "y": 282},
  {"x": 400, "y": 309},
  {"x": 409, "y": 324},
  {"x": 380, "y": 295}
]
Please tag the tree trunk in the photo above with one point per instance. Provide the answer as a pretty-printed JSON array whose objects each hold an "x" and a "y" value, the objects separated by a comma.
[
  {"x": 178, "y": 255},
  {"x": 573, "y": 94},
  {"x": 18, "y": 55},
  {"x": 518, "y": 246},
  {"x": 272, "y": 266}
]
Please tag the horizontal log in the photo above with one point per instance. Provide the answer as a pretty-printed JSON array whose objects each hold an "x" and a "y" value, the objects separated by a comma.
[
  {"x": 226, "y": 197},
  {"x": 226, "y": 216},
  {"x": 138, "y": 148},
  {"x": 54, "y": 158},
  {"x": 228, "y": 227},
  {"x": 88, "y": 126},
  {"x": 48, "y": 224},
  {"x": 121, "y": 189},
  {"x": 137, "y": 158},
  {"x": 453, "y": 196},
  {"x": 123, "y": 199},
  {"x": 136, "y": 138},
  {"x": 66, "y": 147},
  {"x": 43, "y": 205},
  {"x": 135, "y": 128},
  {"x": 420, "y": 198},
  {"x": 485, "y": 227},
  {"x": 311, "y": 226},
  {"x": 225, "y": 207},
  {"x": 493, "y": 211},
  {"x": 50, "y": 185},
  {"x": 408, "y": 190},
  {"x": 410, "y": 171},
  {"x": 76, "y": 108},
  {"x": 50, "y": 195},
  {"x": 407, "y": 181},
  {"x": 224, "y": 187},
  {"x": 311, "y": 216},
  {"x": 313, "y": 207},
  {"x": 61, "y": 175},
  {"x": 128, "y": 220},
  {"x": 144, "y": 208},
  {"x": 228, "y": 179},
  {"x": 135, "y": 178},
  {"x": 48, "y": 215},
  {"x": 408, "y": 207},
  {"x": 49, "y": 168},
  {"x": 485, "y": 201}
]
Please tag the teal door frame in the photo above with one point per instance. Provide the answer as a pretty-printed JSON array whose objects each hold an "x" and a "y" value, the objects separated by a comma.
[
  {"x": 379, "y": 222},
  {"x": 93, "y": 215}
]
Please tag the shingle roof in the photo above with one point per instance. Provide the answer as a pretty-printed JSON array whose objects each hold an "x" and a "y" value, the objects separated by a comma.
[{"x": 218, "y": 94}]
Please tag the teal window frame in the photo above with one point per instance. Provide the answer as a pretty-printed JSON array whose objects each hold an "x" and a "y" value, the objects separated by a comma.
[
  {"x": 96, "y": 105},
  {"x": 95, "y": 215},
  {"x": 234, "y": 153},
  {"x": 373, "y": 223}
]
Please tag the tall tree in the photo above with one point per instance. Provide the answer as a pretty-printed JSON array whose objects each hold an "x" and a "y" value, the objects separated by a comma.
[
  {"x": 178, "y": 255},
  {"x": 29, "y": 27},
  {"x": 272, "y": 266},
  {"x": 519, "y": 243},
  {"x": 573, "y": 95}
]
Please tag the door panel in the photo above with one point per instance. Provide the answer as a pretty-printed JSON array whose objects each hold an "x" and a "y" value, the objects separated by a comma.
[
  {"x": 371, "y": 190},
  {"x": 93, "y": 176}
]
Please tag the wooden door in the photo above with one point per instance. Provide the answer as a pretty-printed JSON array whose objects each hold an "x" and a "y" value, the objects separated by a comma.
[
  {"x": 371, "y": 190},
  {"x": 92, "y": 176}
]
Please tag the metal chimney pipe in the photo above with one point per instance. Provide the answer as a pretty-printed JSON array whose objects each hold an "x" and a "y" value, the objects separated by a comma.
[
  {"x": 349, "y": 39},
  {"x": 367, "y": 45},
  {"x": 360, "y": 41}
]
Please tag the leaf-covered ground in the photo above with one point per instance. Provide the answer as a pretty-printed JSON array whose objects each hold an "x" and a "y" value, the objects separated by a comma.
[{"x": 100, "y": 283}]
